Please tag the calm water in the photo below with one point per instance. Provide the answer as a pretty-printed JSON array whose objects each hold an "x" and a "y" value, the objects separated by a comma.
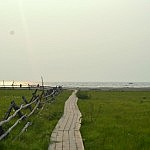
[
  {"x": 80, "y": 84},
  {"x": 102, "y": 84}
]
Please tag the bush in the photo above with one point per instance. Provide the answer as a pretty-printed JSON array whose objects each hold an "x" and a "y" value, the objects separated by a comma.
[{"x": 82, "y": 95}]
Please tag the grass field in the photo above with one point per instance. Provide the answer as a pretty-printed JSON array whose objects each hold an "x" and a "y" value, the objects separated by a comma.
[
  {"x": 38, "y": 134},
  {"x": 6, "y": 96},
  {"x": 115, "y": 120}
]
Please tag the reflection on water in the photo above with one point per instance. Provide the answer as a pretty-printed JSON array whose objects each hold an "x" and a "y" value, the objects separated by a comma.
[{"x": 14, "y": 83}]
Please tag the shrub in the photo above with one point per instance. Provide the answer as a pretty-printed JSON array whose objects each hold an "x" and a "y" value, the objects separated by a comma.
[{"x": 82, "y": 95}]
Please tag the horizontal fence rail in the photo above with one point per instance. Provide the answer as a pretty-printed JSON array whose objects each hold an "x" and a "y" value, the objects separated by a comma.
[{"x": 36, "y": 99}]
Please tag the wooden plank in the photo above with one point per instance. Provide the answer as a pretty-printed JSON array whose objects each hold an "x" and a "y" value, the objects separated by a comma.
[{"x": 68, "y": 134}]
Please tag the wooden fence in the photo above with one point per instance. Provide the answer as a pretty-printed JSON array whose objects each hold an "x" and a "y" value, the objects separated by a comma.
[{"x": 46, "y": 95}]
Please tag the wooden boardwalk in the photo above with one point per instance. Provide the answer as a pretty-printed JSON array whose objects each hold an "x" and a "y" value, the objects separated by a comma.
[{"x": 66, "y": 135}]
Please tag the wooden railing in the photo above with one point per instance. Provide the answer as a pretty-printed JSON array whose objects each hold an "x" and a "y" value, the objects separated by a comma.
[{"x": 45, "y": 96}]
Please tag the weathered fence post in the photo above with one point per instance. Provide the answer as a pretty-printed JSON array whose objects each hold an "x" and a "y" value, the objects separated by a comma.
[
  {"x": 1, "y": 131},
  {"x": 16, "y": 108},
  {"x": 33, "y": 96},
  {"x": 8, "y": 112},
  {"x": 26, "y": 102}
]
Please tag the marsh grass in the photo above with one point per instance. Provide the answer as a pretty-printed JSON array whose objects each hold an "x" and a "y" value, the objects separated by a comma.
[
  {"x": 37, "y": 136},
  {"x": 115, "y": 120},
  {"x": 6, "y": 96}
]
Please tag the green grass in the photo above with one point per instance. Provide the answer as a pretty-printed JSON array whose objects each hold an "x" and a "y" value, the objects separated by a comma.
[
  {"x": 6, "y": 96},
  {"x": 37, "y": 136},
  {"x": 115, "y": 120}
]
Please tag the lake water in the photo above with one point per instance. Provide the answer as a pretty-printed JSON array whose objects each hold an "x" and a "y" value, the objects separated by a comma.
[{"x": 80, "y": 84}]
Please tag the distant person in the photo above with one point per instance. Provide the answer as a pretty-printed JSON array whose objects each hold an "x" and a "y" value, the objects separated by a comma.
[
  {"x": 12, "y": 86},
  {"x": 29, "y": 86}
]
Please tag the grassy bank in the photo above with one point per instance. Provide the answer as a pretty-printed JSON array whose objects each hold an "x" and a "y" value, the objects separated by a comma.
[
  {"x": 38, "y": 134},
  {"x": 115, "y": 120}
]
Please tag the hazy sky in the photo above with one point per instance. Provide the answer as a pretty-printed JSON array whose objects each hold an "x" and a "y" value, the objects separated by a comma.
[{"x": 75, "y": 40}]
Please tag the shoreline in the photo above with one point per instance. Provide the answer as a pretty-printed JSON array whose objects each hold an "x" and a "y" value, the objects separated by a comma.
[{"x": 121, "y": 89}]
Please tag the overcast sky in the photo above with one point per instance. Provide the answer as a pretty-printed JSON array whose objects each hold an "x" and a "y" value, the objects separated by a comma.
[{"x": 75, "y": 40}]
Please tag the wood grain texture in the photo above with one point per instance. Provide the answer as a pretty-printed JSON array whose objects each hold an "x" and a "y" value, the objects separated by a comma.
[{"x": 66, "y": 135}]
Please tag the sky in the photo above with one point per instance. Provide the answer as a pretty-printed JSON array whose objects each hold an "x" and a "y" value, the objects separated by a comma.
[{"x": 75, "y": 40}]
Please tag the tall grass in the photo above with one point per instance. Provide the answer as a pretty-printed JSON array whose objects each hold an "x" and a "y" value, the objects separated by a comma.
[
  {"x": 37, "y": 136},
  {"x": 116, "y": 120},
  {"x": 6, "y": 96}
]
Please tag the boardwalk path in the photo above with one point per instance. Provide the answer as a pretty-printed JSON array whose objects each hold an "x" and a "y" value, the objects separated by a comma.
[{"x": 66, "y": 135}]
